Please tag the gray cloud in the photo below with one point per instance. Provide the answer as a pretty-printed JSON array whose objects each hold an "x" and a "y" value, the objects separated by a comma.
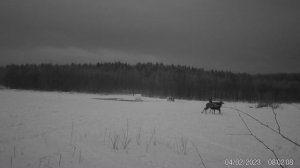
[{"x": 251, "y": 36}]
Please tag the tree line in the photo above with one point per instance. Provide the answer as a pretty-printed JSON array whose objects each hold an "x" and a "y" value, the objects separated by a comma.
[{"x": 153, "y": 79}]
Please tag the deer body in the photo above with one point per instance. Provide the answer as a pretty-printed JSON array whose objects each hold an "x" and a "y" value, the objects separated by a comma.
[{"x": 213, "y": 106}]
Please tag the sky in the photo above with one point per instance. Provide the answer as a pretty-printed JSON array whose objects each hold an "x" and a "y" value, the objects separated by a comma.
[{"x": 254, "y": 36}]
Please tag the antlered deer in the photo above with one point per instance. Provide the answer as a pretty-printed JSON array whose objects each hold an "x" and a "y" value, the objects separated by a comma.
[{"x": 213, "y": 106}]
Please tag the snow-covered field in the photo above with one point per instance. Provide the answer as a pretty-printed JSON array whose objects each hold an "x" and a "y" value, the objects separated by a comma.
[{"x": 70, "y": 130}]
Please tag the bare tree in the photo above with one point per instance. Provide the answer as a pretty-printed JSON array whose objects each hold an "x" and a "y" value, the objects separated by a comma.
[
  {"x": 258, "y": 139},
  {"x": 267, "y": 126}
]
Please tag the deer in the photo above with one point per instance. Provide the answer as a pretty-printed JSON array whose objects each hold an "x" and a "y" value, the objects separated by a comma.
[{"x": 213, "y": 106}]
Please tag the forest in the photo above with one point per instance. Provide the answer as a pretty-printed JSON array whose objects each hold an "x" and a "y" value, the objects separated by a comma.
[{"x": 153, "y": 79}]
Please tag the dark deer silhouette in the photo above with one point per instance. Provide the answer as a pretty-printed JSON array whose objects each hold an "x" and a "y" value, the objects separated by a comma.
[{"x": 213, "y": 106}]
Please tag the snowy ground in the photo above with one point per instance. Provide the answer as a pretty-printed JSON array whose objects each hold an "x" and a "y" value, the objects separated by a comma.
[{"x": 73, "y": 130}]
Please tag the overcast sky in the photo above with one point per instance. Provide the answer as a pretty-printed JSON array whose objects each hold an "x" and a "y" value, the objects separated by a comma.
[{"x": 256, "y": 36}]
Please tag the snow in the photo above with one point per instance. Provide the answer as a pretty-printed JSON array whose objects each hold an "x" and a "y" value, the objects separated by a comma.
[{"x": 74, "y": 130}]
